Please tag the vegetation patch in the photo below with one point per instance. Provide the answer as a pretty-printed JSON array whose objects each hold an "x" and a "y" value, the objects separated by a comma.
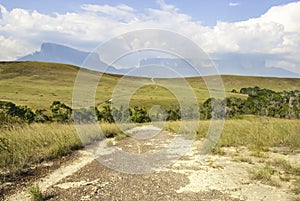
[
  {"x": 36, "y": 121},
  {"x": 23, "y": 146},
  {"x": 265, "y": 175},
  {"x": 35, "y": 193},
  {"x": 296, "y": 186},
  {"x": 244, "y": 160},
  {"x": 19, "y": 80}
]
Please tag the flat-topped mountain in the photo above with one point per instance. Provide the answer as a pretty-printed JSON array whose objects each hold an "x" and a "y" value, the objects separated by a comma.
[
  {"x": 231, "y": 64},
  {"x": 51, "y": 52}
]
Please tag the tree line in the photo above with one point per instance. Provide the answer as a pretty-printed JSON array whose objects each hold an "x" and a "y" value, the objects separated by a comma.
[
  {"x": 263, "y": 102},
  {"x": 266, "y": 102}
]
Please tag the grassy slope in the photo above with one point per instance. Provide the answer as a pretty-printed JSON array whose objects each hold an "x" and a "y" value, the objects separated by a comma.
[{"x": 37, "y": 84}]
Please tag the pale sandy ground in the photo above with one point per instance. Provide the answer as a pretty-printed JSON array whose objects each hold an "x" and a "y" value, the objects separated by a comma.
[
  {"x": 213, "y": 177},
  {"x": 59, "y": 174}
]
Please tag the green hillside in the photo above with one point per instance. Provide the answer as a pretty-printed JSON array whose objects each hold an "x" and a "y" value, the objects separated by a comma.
[{"x": 37, "y": 85}]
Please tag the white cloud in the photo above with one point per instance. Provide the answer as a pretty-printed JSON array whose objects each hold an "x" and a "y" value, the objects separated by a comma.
[
  {"x": 166, "y": 7},
  {"x": 11, "y": 47},
  {"x": 233, "y": 4},
  {"x": 121, "y": 12},
  {"x": 106, "y": 8},
  {"x": 275, "y": 32},
  {"x": 287, "y": 15}
]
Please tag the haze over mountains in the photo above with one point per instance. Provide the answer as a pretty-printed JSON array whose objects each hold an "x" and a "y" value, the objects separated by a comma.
[
  {"x": 51, "y": 52},
  {"x": 227, "y": 63}
]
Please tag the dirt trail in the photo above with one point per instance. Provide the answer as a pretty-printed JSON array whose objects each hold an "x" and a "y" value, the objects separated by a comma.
[
  {"x": 212, "y": 178},
  {"x": 56, "y": 176}
]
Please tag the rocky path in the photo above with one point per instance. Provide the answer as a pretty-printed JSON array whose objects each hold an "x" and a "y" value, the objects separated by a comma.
[{"x": 189, "y": 178}]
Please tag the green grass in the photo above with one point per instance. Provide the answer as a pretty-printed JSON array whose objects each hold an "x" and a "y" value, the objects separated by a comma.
[
  {"x": 35, "y": 193},
  {"x": 276, "y": 84},
  {"x": 38, "y": 84},
  {"x": 217, "y": 150}
]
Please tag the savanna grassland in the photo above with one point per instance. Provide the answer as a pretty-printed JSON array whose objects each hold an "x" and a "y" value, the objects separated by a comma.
[{"x": 37, "y": 85}]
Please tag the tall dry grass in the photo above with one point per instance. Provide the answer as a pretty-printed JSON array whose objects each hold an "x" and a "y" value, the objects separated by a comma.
[
  {"x": 260, "y": 133},
  {"x": 256, "y": 133},
  {"x": 21, "y": 146}
]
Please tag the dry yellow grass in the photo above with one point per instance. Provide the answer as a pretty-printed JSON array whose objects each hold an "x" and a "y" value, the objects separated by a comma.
[
  {"x": 24, "y": 145},
  {"x": 257, "y": 133},
  {"x": 29, "y": 144}
]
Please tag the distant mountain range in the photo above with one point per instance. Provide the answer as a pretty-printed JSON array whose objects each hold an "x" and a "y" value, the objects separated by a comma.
[
  {"x": 233, "y": 64},
  {"x": 51, "y": 52}
]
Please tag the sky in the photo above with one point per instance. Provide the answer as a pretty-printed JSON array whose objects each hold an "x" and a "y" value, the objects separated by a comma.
[{"x": 265, "y": 27}]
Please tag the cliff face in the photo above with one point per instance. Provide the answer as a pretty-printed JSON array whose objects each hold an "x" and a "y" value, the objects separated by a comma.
[
  {"x": 51, "y": 52},
  {"x": 233, "y": 64}
]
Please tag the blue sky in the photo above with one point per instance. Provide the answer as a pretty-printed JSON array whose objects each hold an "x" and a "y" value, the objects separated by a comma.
[
  {"x": 252, "y": 27},
  {"x": 206, "y": 12}
]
